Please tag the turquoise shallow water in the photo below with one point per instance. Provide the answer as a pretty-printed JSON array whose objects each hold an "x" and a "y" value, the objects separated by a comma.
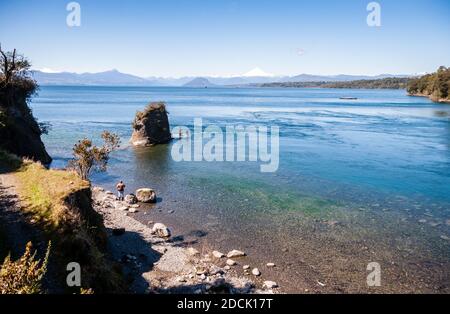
[{"x": 379, "y": 166}]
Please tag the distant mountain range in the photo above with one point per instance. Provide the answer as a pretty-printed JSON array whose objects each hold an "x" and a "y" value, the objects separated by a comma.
[
  {"x": 199, "y": 82},
  {"x": 116, "y": 78}
]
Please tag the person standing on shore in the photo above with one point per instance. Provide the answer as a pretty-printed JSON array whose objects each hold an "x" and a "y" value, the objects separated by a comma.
[{"x": 120, "y": 190}]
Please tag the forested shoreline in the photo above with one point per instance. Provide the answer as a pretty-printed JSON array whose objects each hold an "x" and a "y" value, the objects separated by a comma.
[{"x": 434, "y": 86}]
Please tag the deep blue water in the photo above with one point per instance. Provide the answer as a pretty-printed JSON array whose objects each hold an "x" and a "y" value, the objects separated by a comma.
[
  {"x": 380, "y": 165},
  {"x": 385, "y": 140}
]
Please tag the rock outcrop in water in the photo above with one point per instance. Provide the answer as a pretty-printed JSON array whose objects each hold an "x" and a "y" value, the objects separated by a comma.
[{"x": 151, "y": 126}]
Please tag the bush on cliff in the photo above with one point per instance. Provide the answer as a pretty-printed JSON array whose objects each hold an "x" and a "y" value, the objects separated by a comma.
[{"x": 88, "y": 156}]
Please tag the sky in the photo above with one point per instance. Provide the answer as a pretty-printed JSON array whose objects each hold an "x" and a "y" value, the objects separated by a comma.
[{"x": 171, "y": 38}]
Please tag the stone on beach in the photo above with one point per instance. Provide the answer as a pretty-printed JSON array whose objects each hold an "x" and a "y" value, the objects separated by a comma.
[
  {"x": 107, "y": 198},
  {"x": 230, "y": 262},
  {"x": 218, "y": 254},
  {"x": 256, "y": 272},
  {"x": 192, "y": 251},
  {"x": 97, "y": 189},
  {"x": 121, "y": 207},
  {"x": 131, "y": 199},
  {"x": 161, "y": 230},
  {"x": 245, "y": 267},
  {"x": 133, "y": 210},
  {"x": 270, "y": 265},
  {"x": 270, "y": 284},
  {"x": 235, "y": 253},
  {"x": 214, "y": 270}
]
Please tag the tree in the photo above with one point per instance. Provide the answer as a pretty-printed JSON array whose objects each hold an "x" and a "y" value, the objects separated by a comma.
[
  {"x": 88, "y": 157},
  {"x": 15, "y": 77},
  {"x": 13, "y": 67},
  {"x": 435, "y": 85}
]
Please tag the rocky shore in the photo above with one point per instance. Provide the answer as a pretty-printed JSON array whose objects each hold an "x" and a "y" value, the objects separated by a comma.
[{"x": 152, "y": 263}]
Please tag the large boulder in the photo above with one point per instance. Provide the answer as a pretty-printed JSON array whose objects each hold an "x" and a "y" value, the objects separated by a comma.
[
  {"x": 151, "y": 126},
  {"x": 146, "y": 195}
]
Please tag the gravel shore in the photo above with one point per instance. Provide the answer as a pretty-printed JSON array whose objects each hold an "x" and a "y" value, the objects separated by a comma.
[{"x": 155, "y": 264}]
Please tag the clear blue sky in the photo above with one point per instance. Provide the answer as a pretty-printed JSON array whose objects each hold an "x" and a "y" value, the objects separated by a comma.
[{"x": 226, "y": 37}]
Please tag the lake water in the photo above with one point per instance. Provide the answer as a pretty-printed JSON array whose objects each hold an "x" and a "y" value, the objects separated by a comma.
[{"x": 359, "y": 181}]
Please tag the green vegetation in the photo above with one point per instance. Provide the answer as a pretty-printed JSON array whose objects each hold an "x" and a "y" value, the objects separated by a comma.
[
  {"x": 57, "y": 202},
  {"x": 434, "y": 85},
  {"x": 153, "y": 106},
  {"x": 23, "y": 276},
  {"x": 19, "y": 130},
  {"x": 88, "y": 156},
  {"x": 60, "y": 204},
  {"x": 385, "y": 83},
  {"x": 45, "y": 192}
]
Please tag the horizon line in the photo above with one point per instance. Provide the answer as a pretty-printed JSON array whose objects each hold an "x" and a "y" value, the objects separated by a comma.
[{"x": 50, "y": 71}]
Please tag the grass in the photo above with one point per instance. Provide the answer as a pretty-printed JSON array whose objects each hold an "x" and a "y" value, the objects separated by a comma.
[
  {"x": 45, "y": 192},
  {"x": 59, "y": 203}
]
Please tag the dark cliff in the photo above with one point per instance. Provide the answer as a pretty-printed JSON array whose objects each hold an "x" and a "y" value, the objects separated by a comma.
[{"x": 20, "y": 133}]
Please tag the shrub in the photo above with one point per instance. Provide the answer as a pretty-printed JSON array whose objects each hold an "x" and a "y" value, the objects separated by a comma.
[
  {"x": 88, "y": 156},
  {"x": 23, "y": 276}
]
